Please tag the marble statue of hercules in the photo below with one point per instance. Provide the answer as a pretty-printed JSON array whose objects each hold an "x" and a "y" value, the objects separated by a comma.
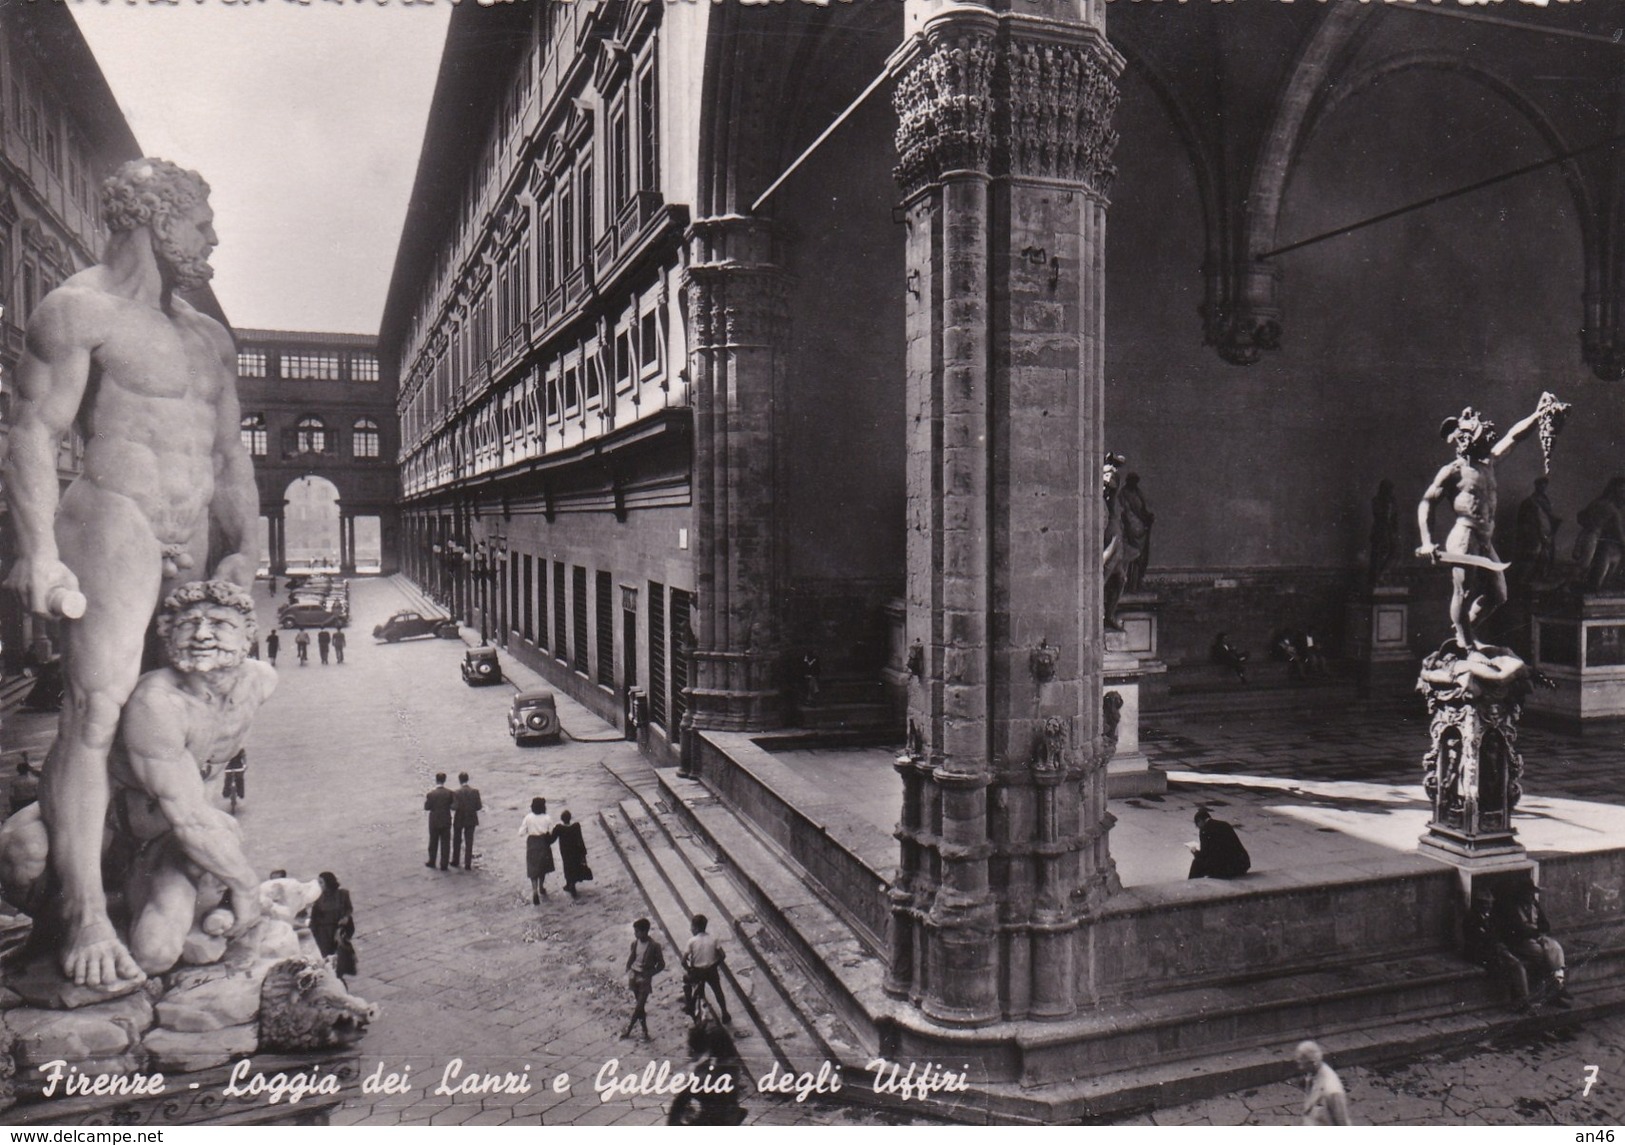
[
  {"x": 151, "y": 383},
  {"x": 1472, "y": 476}
]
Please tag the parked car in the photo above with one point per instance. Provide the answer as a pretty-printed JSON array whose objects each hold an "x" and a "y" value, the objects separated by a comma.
[
  {"x": 406, "y": 625},
  {"x": 481, "y": 666},
  {"x": 312, "y": 616},
  {"x": 534, "y": 715}
]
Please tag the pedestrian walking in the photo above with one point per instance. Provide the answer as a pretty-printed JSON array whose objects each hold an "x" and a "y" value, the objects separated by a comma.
[
  {"x": 465, "y": 817},
  {"x": 254, "y": 649},
  {"x": 438, "y": 803},
  {"x": 338, "y": 646},
  {"x": 572, "y": 853},
  {"x": 301, "y": 645},
  {"x": 702, "y": 964},
  {"x": 332, "y": 925},
  {"x": 324, "y": 641},
  {"x": 643, "y": 962},
  {"x": 273, "y": 643},
  {"x": 537, "y": 831},
  {"x": 1325, "y": 1101}
]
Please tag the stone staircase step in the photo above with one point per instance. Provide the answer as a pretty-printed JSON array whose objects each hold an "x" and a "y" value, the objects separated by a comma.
[
  {"x": 835, "y": 1040},
  {"x": 675, "y": 895},
  {"x": 822, "y": 940},
  {"x": 13, "y": 691}
]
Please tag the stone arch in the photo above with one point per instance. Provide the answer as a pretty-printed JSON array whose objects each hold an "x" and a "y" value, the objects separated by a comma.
[
  {"x": 1353, "y": 85},
  {"x": 312, "y": 520}
]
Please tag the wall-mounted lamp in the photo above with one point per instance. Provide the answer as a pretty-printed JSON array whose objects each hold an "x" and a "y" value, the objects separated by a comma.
[{"x": 912, "y": 283}]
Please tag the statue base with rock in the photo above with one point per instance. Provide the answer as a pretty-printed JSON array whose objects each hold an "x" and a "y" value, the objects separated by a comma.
[{"x": 266, "y": 991}]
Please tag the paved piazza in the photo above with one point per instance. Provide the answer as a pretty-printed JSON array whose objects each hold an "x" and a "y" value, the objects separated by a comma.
[{"x": 467, "y": 970}]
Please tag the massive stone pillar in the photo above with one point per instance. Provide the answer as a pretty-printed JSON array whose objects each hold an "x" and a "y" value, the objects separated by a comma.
[
  {"x": 1004, "y": 141},
  {"x": 739, "y": 329}
]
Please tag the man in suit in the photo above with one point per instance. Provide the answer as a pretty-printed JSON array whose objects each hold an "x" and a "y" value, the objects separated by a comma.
[
  {"x": 465, "y": 817},
  {"x": 438, "y": 803},
  {"x": 324, "y": 641},
  {"x": 1219, "y": 854}
]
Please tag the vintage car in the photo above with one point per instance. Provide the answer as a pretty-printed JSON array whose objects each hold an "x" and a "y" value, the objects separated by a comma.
[
  {"x": 481, "y": 666},
  {"x": 534, "y": 715},
  {"x": 313, "y": 616},
  {"x": 406, "y": 625}
]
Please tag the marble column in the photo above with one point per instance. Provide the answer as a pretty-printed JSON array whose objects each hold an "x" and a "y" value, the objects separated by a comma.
[{"x": 1004, "y": 144}]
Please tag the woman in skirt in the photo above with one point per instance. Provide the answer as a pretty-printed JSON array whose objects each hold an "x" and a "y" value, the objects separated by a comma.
[{"x": 537, "y": 831}]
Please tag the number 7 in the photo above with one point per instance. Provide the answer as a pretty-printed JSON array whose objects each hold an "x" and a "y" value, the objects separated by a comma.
[{"x": 1591, "y": 1080}]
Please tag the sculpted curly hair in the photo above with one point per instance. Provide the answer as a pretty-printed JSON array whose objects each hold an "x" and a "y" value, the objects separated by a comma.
[
  {"x": 222, "y": 592},
  {"x": 143, "y": 190}
]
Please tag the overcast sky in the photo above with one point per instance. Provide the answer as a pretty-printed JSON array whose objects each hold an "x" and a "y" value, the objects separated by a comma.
[{"x": 305, "y": 119}]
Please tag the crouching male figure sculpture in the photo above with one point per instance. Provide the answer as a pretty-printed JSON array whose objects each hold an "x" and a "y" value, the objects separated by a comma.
[
  {"x": 180, "y": 726},
  {"x": 152, "y": 384}
]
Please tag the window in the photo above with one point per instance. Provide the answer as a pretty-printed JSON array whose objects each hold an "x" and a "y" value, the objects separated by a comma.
[
  {"x": 365, "y": 438},
  {"x": 657, "y": 653},
  {"x": 572, "y": 389},
  {"x": 623, "y": 361},
  {"x": 606, "y": 631},
  {"x": 311, "y": 436},
  {"x": 567, "y": 233},
  {"x": 251, "y": 363},
  {"x": 587, "y": 231},
  {"x": 527, "y": 614},
  {"x": 541, "y": 602},
  {"x": 363, "y": 367},
  {"x": 649, "y": 344},
  {"x": 681, "y": 639},
  {"x": 648, "y": 131},
  {"x": 620, "y": 158},
  {"x": 561, "y": 619},
  {"x": 305, "y": 366},
  {"x": 578, "y": 613},
  {"x": 549, "y": 269},
  {"x": 255, "y": 438}
]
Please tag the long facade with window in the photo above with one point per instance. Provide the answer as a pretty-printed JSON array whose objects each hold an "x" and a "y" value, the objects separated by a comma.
[
  {"x": 534, "y": 324},
  {"x": 61, "y": 134},
  {"x": 315, "y": 405}
]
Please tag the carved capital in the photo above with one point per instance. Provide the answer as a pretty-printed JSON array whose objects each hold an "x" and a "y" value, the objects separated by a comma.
[
  {"x": 976, "y": 101},
  {"x": 944, "y": 106},
  {"x": 1060, "y": 107},
  {"x": 737, "y": 305}
]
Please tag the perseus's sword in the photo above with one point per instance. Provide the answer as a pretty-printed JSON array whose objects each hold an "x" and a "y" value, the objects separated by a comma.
[{"x": 1472, "y": 560}]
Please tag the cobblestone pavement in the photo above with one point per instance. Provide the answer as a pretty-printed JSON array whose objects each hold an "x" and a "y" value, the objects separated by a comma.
[{"x": 474, "y": 981}]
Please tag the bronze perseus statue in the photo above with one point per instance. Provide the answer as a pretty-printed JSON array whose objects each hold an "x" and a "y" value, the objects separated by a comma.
[
  {"x": 1469, "y": 548},
  {"x": 153, "y": 384}
]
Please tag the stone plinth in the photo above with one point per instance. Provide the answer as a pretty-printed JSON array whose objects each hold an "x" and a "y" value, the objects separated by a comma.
[
  {"x": 1130, "y": 657},
  {"x": 1472, "y": 772},
  {"x": 1378, "y": 627},
  {"x": 1578, "y": 640}
]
